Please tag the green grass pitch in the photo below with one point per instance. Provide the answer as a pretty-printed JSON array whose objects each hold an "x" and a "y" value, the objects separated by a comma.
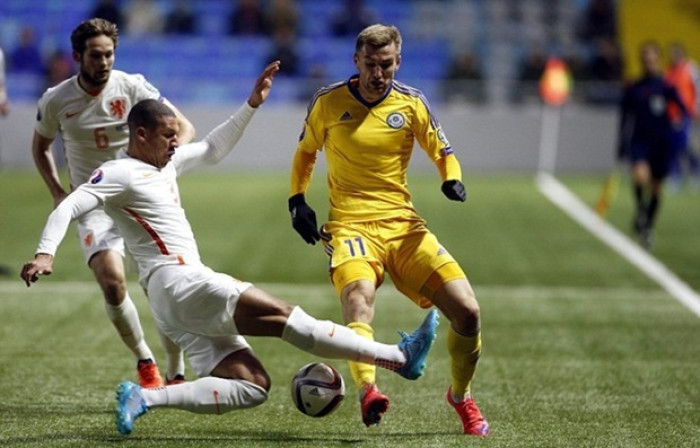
[{"x": 580, "y": 349}]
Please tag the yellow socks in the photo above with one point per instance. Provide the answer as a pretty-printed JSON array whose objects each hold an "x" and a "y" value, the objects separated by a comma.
[
  {"x": 362, "y": 373},
  {"x": 464, "y": 354}
]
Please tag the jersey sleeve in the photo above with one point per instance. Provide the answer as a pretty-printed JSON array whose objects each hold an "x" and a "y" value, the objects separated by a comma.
[
  {"x": 432, "y": 139},
  {"x": 46, "y": 118},
  {"x": 313, "y": 132},
  {"x": 217, "y": 144},
  {"x": 142, "y": 89},
  {"x": 75, "y": 205},
  {"x": 311, "y": 141},
  {"x": 107, "y": 182}
]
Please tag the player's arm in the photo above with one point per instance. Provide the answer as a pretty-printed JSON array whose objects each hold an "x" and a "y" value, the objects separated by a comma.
[
  {"x": 45, "y": 163},
  {"x": 310, "y": 142},
  {"x": 303, "y": 216},
  {"x": 73, "y": 206},
  {"x": 673, "y": 95},
  {"x": 434, "y": 142},
  {"x": 222, "y": 139},
  {"x": 187, "y": 132},
  {"x": 625, "y": 126}
]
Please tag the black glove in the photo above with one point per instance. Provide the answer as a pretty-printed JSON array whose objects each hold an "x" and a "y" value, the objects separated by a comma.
[
  {"x": 454, "y": 190},
  {"x": 303, "y": 219}
]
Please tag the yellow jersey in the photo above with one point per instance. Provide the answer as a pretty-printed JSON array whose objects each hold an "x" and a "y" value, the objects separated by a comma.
[{"x": 368, "y": 148}]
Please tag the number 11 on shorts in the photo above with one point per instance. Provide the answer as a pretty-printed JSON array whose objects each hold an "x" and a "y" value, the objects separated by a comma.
[{"x": 352, "y": 243}]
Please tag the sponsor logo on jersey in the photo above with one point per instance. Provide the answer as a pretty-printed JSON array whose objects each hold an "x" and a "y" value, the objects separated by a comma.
[
  {"x": 87, "y": 241},
  {"x": 118, "y": 108},
  {"x": 395, "y": 120},
  {"x": 346, "y": 116},
  {"x": 96, "y": 177}
]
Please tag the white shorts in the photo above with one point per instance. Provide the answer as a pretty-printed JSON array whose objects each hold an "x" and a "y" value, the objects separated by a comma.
[
  {"x": 97, "y": 232},
  {"x": 193, "y": 306}
]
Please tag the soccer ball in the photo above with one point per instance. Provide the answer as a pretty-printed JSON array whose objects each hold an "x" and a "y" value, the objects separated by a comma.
[{"x": 317, "y": 389}]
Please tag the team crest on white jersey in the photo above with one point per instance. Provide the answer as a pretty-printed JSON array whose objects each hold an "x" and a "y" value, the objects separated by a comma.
[
  {"x": 395, "y": 120},
  {"x": 118, "y": 107},
  {"x": 96, "y": 177}
]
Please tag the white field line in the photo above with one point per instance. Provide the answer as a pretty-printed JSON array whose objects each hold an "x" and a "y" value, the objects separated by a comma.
[{"x": 650, "y": 266}]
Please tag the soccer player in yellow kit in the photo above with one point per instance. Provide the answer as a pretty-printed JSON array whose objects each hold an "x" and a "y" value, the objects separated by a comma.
[{"x": 367, "y": 126}]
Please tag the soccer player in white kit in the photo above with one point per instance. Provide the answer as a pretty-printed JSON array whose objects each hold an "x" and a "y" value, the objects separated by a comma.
[
  {"x": 206, "y": 313},
  {"x": 89, "y": 111}
]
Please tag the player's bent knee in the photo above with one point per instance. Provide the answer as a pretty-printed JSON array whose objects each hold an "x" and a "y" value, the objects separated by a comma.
[{"x": 243, "y": 365}]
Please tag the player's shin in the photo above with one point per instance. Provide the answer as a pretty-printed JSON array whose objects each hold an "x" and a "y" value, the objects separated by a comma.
[
  {"x": 208, "y": 395},
  {"x": 330, "y": 340},
  {"x": 125, "y": 319},
  {"x": 464, "y": 351},
  {"x": 362, "y": 373}
]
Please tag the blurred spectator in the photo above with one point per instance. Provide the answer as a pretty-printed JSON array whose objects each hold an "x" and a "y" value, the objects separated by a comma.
[
  {"x": 143, "y": 17},
  {"x": 282, "y": 14},
  {"x": 606, "y": 64},
  {"x": 284, "y": 50},
  {"x": 4, "y": 100},
  {"x": 605, "y": 71},
  {"x": 26, "y": 57},
  {"x": 463, "y": 79},
  {"x": 529, "y": 74},
  {"x": 599, "y": 20},
  {"x": 108, "y": 10},
  {"x": 181, "y": 19},
  {"x": 353, "y": 18},
  {"x": 247, "y": 19},
  {"x": 59, "y": 67},
  {"x": 683, "y": 74}
]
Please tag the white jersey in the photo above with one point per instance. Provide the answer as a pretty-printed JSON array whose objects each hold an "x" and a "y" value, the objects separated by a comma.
[
  {"x": 93, "y": 128},
  {"x": 144, "y": 201}
]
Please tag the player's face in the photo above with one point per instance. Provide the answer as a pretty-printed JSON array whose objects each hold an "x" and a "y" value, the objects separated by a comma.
[
  {"x": 650, "y": 60},
  {"x": 377, "y": 67},
  {"x": 162, "y": 142},
  {"x": 97, "y": 61}
]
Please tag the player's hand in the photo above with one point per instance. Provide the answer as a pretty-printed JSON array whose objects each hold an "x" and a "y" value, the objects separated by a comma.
[
  {"x": 42, "y": 264},
  {"x": 303, "y": 219},
  {"x": 263, "y": 84},
  {"x": 454, "y": 190}
]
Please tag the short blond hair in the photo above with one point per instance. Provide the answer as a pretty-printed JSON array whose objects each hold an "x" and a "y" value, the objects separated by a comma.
[{"x": 378, "y": 36}]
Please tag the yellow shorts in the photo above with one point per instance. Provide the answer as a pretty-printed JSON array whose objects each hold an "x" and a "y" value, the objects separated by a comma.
[{"x": 406, "y": 250}]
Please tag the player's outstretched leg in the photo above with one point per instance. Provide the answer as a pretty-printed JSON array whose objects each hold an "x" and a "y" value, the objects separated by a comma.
[
  {"x": 416, "y": 347},
  {"x": 472, "y": 421},
  {"x": 330, "y": 340},
  {"x": 130, "y": 406}
]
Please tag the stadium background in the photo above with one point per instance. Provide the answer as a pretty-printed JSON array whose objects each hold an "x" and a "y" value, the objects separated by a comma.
[
  {"x": 209, "y": 72},
  {"x": 581, "y": 348}
]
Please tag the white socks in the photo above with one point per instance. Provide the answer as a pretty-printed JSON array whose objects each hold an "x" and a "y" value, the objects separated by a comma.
[
  {"x": 125, "y": 319},
  {"x": 330, "y": 340},
  {"x": 208, "y": 395}
]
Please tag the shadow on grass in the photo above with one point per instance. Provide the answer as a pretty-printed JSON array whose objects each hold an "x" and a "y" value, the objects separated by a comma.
[{"x": 275, "y": 437}]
